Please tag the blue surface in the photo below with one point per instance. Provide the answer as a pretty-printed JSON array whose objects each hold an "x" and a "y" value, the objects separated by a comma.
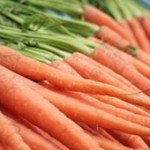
[{"x": 145, "y": 3}]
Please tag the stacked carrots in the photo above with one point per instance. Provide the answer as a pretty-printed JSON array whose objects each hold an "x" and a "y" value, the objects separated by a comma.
[{"x": 64, "y": 89}]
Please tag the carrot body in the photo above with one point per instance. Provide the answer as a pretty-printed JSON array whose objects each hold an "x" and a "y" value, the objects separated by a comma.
[
  {"x": 98, "y": 17},
  {"x": 140, "y": 34},
  {"x": 129, "y": 140},
  {"x": 147, "y": 140},
  {"x": 120, "y": 63},
  {"x": 125, "y": 25},
  {"x": 106, "y": 99},
  {"x": 10, "y": 136},
  {"x": 16, "y": 62},
  {"x": 90, "y": 115},
  {"x": 39, "y": 111},
  {"x": 145, "y": 21},
  {"x": 90, "y": 71},
  {"x": 35, "y": 141},
  {"x": 111, "y": 37}
]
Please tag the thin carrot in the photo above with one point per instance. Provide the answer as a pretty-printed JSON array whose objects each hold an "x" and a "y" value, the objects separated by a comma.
[
  {"x": 23, "y": 101},
  {"x": 10, "y": 136},
  {"x": 106, "y": 99},
  {"x": 120, "y": 63},
  {"x": 90, "y": 115},
  {"x": 145, "y": 21},
  {"x": 139, "y": 34},
  {"x": 104, "y": 142},
  {"x": 133, "y": 141},
  {"x": 131, "y": 36},
  {"x": 98, "y": 17},
  {"x": 20, "y": 63},
  {"x": 34, "y": 140},
  {"x": 111, "y": 37}
]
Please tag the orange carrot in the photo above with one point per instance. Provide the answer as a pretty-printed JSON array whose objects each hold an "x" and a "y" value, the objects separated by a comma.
[
  {"x": 120, "y": 63},
  {"x": 104, "y": 142},
  {"x": 63, "y": 66},
  {"x": 111, "y": 37},
  {"x": 131, "y": 36},
  {"x": 133, "y": 141},
  {"x": 139, "y": 34},
  {"x": 85, "y": 113},
  {"x": 23, "y": 101},
  {"x": 34, "y": 140},
  {"x": 145, "y": 21},
  {"x": 98, "y": 17},
  {"x": 9, "y": 134},
  {"x": 106, "y": 99},
  {"x": 3, "y": 147},
  {"x": 15, "y": 61},
  {"x": 147, "y": 140}
]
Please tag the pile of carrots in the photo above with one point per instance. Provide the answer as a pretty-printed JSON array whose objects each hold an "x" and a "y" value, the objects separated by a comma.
[{"x": 54, "y": 96}]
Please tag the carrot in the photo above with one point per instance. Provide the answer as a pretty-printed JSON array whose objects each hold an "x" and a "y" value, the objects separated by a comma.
[
  {"x": 109, "y": 71},
  {"x": 106, "y": 99},
  {"x": 125, "y": 25},
  {"x": 15, "y": 61},
  {"x": 10, "y": 136},
  {"x": 109, "y": 36},
  {"x": 90, "y": 115},
  {"x": 121, "y": 104},
  {"x": 140, "y": 55},
  {"x": 23, "y": 101},
  {"x": 63, "y": 66},
  {"x": 98, "y": 17},
  {"x": 3, "y": 147},
  {"x": 139, "y": 34},
  {"x": 145, "y": 21},
  {"x": 45, "y": 135},
  {"x": 120, "y": 63},
  {"x": 147, "y": 140},
  {"x": 133, "y": 141},
  {"x": 104, "y": 142},
  {"x": 35, "y": 141}
]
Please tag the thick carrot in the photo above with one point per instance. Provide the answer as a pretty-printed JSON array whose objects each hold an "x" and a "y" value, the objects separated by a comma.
[
  {"x": 109, "y": 71},
  {"x": 140, "y": 55},
  {"x": 98, "y": 17},
  {"x": 106, "y": 99},
  {"x": 111, "y": 37},
  {"x": 145, "y": 21},
  {"x": 3, "y": 147},
  {"x": 90, "y": 71},
  {"x": 63, "y": 66},
  {"x": 10, "y": 136},
  {"x": 130, "y": 140},
  {"x": 120, "y": 63},
  {"x": 125, "y": 25},
  {"x": 147, "y": 140},
  {"x": 34, "y": 140},
  {"x": 23, "y": 101},
  {"x": 85, "y": 113},
  {"x": 139, "y": 34},
  {"x": 19, "y": 63}
]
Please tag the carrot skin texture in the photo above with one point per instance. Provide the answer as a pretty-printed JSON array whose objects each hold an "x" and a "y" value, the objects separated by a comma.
[
  {"x": 125, "y": 25},
  {"x": 145, "y": 21},
  {"x": 10, "y": 136},
  {"x": 133, "y": 141},
  {"x": 98, "y": 17},
  {"x": 139, "y": 34},
  {"x": 106, "y": 99},
  {"x": 34, "y": 108}
]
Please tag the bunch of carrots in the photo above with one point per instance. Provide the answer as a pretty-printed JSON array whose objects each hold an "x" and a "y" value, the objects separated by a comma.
[{"x": 68, "y": 84}]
